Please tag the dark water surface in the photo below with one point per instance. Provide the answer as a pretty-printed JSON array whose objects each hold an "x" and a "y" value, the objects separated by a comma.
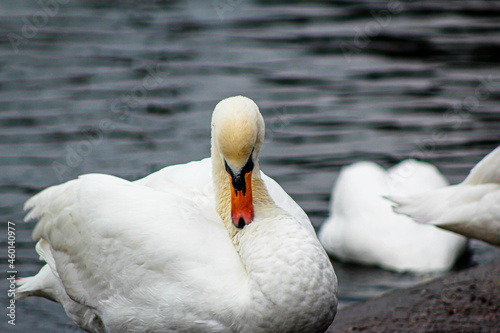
[{"x": 127, "y": 87}]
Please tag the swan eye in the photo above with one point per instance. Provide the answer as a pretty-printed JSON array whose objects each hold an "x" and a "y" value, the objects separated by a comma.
[{"x": 248, "y": 166}]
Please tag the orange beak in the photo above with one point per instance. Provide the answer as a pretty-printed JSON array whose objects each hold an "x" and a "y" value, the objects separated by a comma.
[{"x": 241, "y": 203}]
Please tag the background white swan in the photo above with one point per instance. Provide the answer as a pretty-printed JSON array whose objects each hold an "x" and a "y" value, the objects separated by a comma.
[
  {"x": 362, "y": 227},
  {"x": 471, "y": 208},
  {"x": 209, "y": 246}
]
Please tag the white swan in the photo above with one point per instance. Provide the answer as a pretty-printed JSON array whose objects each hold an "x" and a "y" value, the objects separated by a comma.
[
  {"x": 209, "y": 246},
  {"x": 471, "y": 208},
  {"x": 362, "y": 227}
]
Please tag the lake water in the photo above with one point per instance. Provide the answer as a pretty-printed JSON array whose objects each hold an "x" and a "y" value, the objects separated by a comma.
[{"x": 127, "y": 87}]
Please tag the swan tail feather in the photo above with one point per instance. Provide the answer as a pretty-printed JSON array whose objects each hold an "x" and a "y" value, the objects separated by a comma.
[
  {"x": 44, "y": 284},
  {"x": 427, "y": 208},
  {"x": 486, "y": 171}
]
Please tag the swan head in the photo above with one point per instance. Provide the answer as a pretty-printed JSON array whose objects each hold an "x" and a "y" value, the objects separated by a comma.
[{"x": 237, "y": 135}]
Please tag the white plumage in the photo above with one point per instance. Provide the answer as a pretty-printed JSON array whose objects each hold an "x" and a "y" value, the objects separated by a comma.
[
  {"x": 471, "y": 208},
  {"x": 362, "y": 228},
  {"x": 162, "y": 254}
]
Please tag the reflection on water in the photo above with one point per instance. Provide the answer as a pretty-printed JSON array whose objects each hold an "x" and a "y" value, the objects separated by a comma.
[{"x": 126, "y": 88}]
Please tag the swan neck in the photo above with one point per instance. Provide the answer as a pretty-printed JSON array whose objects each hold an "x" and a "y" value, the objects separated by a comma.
[{"x": 262, "y": 201}]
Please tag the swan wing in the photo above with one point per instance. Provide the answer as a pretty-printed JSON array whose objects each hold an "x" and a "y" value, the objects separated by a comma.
[
  {"x": 456, "y": 204},
  {"x": 471, "y": 210},
  {"x": 486, "y": 171},
  {"x": 119, "y": 245},
  {"x": 433, "y": 207}
]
